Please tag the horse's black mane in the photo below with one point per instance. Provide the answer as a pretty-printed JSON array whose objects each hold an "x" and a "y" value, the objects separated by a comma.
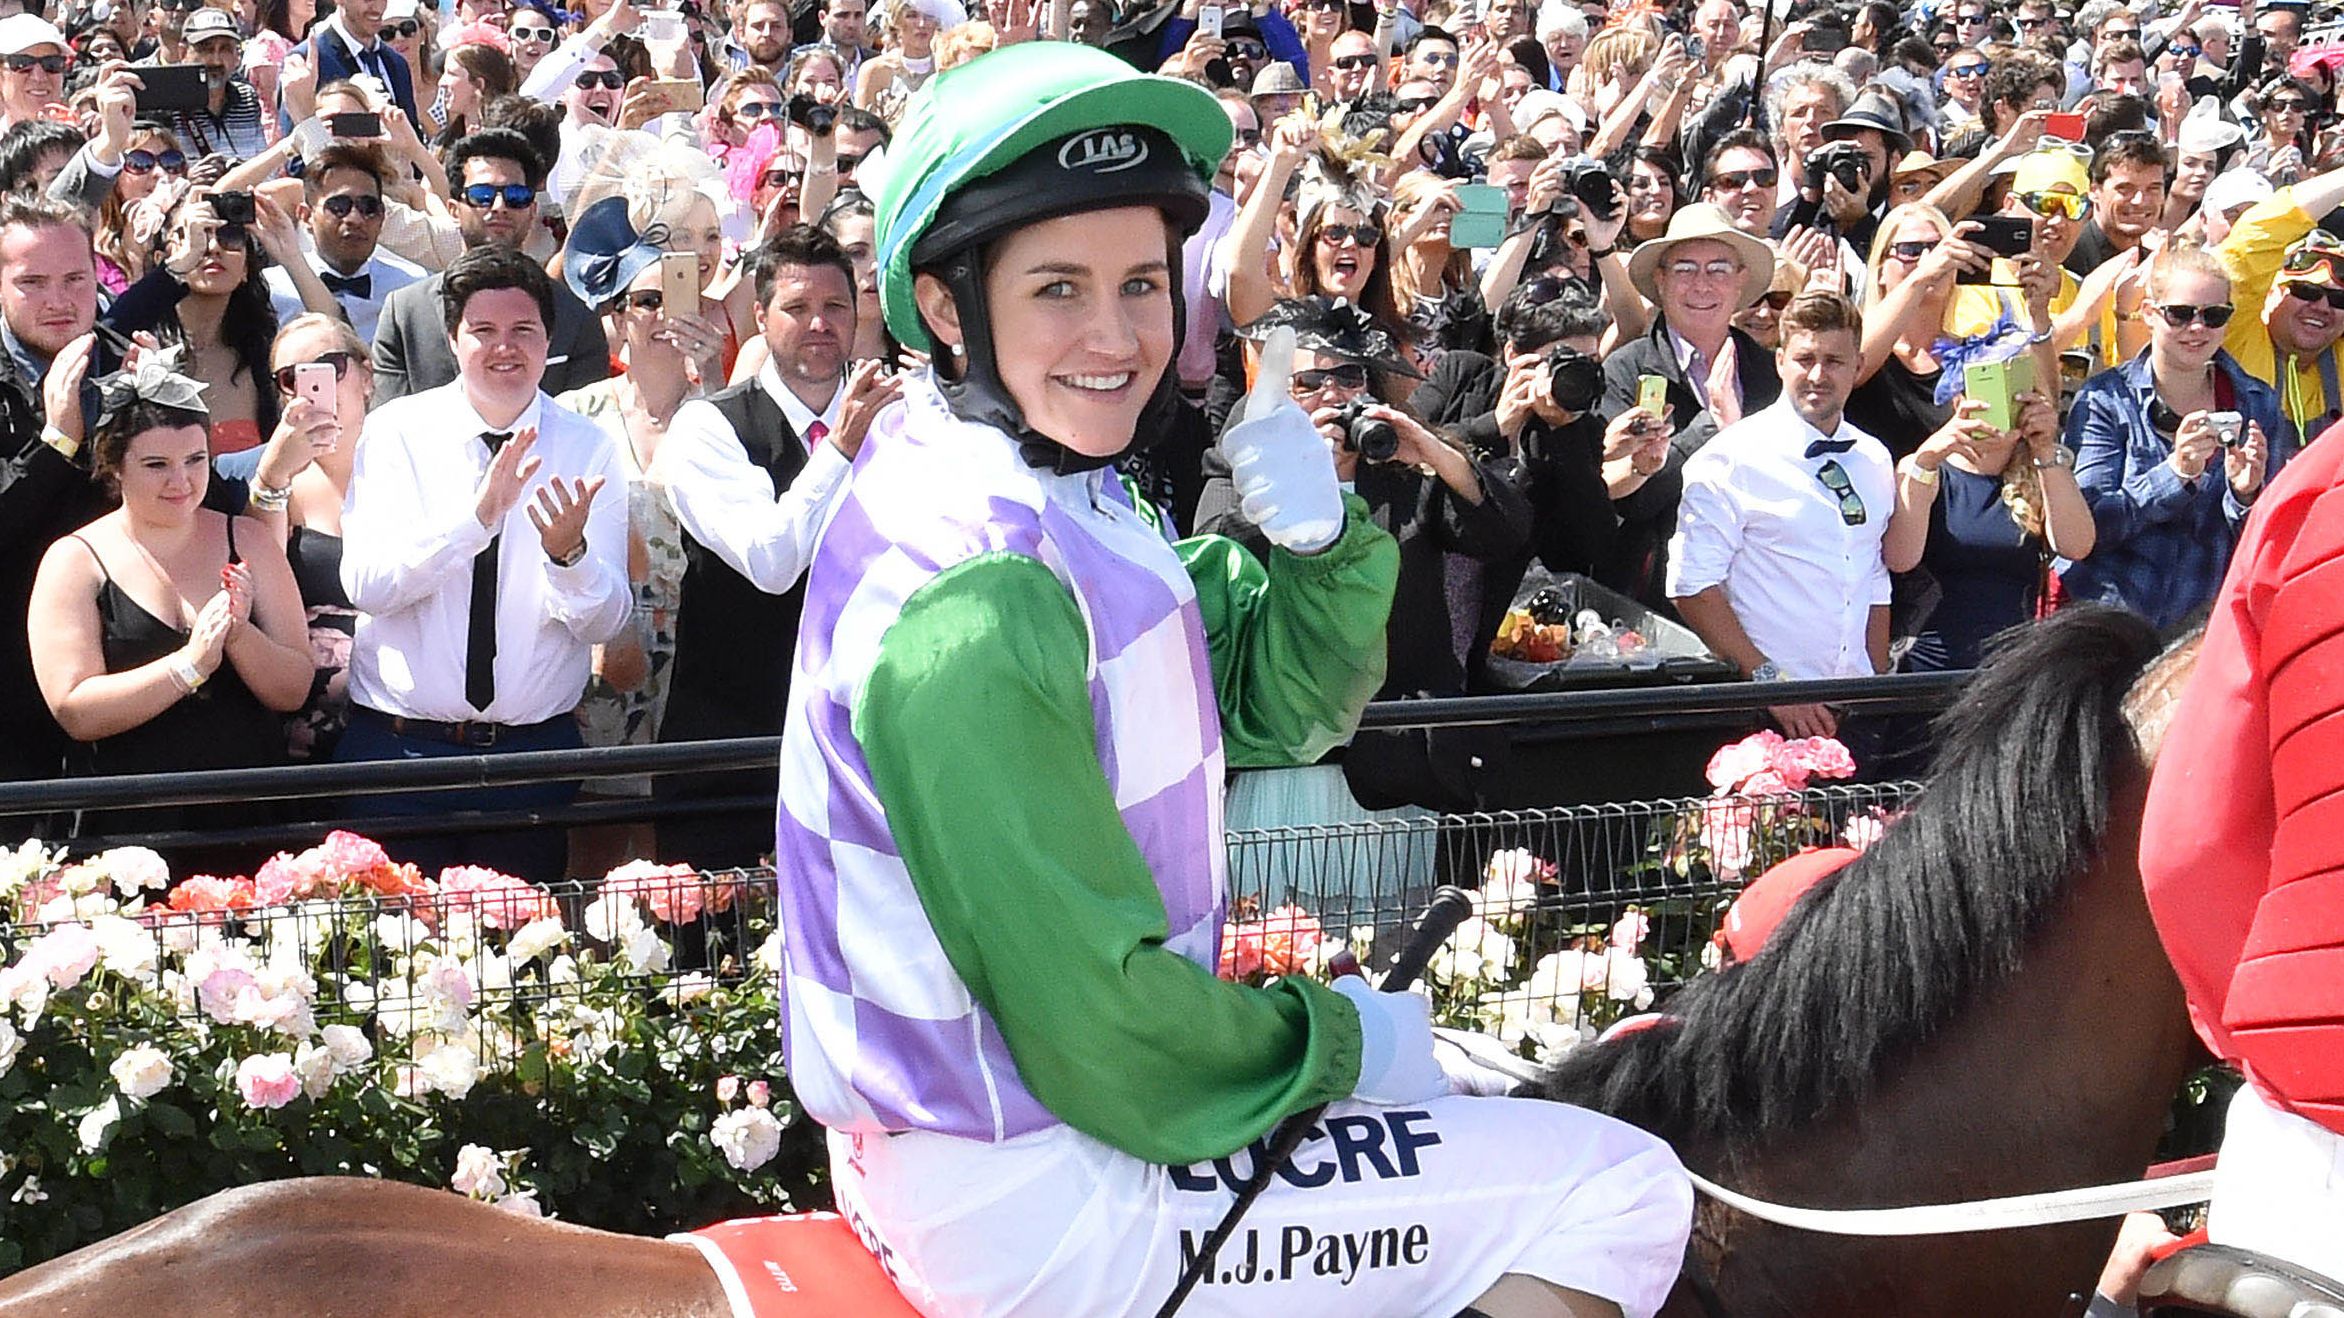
[{"x": 1890, "y": 948}]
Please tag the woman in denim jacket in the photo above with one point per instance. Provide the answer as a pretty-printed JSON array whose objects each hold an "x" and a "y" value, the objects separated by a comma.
[{"x": 2167, "y": 483}]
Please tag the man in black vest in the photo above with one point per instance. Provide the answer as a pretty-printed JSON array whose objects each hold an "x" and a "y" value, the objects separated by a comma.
[{"x": 753, "y": 472}]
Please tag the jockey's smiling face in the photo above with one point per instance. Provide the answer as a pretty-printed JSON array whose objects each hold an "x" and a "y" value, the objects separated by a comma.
[{"x": 1082, "y": 322}]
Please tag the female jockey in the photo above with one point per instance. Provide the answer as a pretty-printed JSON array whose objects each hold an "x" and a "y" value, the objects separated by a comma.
[{"x": 1000, "y": 829}]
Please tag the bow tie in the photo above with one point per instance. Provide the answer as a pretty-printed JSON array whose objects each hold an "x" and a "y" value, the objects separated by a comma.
[
  {"x": 496, "y": 440},
  {"x": 1823, "y": 446},
  {"x": 358, "y": 286}
]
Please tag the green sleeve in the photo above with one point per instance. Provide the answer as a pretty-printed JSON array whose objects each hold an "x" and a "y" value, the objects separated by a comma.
[
  {"x": 1297, "y": 643},
  {"x": 976, "y": 723}
]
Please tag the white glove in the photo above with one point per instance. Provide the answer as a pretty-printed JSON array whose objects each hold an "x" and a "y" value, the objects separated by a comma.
[
  {"x": 1396, "y": 1064},
  {"x": 1280, "y": 463}
]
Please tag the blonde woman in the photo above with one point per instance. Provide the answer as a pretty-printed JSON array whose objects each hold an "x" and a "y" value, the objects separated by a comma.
[
  {"x": 885, "y": 83},
  {"x": 1432, "y": 282}
]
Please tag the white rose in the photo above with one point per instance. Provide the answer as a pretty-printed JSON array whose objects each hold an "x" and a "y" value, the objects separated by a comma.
[
  {"x": 126, "y": 948},
  {"x": 1626, "y": 977},
  {"x": 691, "y": 988},
  {"x": 480, "y": 1173},
  {"x": 315, "y": 1066},
  {"x": 537, "y": 938},
  {"x": 347, "y": 1045},
  {"x": 611, "y": 917},
  {"x": 748, "y": 1138},
  {"x": 523, "y": 1203},
  {"x": 642, "y": 951},
  {"x": 142, "y": 1072},
  {"x": 768, "y": 956},
  {"x": 11, "y": 1043},
  {"x": 451, "y": 1069}
]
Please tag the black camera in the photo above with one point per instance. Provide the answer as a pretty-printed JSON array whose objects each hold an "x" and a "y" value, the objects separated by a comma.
[
  {"x": 812, "y": 115},
  {"x": 1593, "y": 185},
  {"x": 1372, "y": 438},
  {"x": 1574, "y": 379},
  {"x": 234, "y": 209},
  {"x": 1844, "y": 161}
]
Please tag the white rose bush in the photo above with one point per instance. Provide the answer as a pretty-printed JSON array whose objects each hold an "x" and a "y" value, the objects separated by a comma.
[{"x": 336, "y": 1013}]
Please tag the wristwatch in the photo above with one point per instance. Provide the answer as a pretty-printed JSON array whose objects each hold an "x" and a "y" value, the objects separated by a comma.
[
  {"x": 2062, "y": 457},
  {"x": 576, "y": 556},
  {"x": 1766, "y": 671}
]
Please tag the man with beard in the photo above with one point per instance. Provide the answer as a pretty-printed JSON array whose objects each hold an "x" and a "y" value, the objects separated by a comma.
[
  {"x": 230, "y": 122},
  {"x": 753, "y": 471},
  {"x": 495, "y": 177},
  {"x": 2288, "y": 279},
  {"x": 763, "y": 36},
  {"x": 846, "y": 29},
  {"x": 349, "y": 44}
]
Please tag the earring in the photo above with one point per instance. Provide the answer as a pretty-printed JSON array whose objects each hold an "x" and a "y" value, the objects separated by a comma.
[{"x": 959, "y": 351}]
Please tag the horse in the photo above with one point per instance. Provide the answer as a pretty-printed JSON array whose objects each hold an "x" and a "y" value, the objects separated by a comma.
[{"x": 1976, "y": 1007}]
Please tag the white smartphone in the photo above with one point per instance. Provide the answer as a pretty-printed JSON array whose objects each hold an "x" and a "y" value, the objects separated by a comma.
[
  {"x": 1208, "y": 21},
  {"x": 314, "y": 381},
  {"x": 663, "y": 25}
]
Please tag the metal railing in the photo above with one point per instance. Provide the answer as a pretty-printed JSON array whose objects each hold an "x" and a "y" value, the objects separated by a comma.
[
  {"x": 1588, "y": 713},
  {"x": 1553, "y": 882}
]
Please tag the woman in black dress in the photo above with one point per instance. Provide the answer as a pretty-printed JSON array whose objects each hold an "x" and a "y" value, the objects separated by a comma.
[{"x": 165, "y": 636}]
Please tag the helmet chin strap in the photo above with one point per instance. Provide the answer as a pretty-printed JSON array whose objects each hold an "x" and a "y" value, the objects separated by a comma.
[{"x": 979, "y": 394}]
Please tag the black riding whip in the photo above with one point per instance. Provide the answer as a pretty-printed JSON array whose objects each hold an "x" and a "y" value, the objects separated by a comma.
[{"x": 1448, "y": 909}]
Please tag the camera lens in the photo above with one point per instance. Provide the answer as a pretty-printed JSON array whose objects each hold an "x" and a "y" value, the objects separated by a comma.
[{"x": 1372, "y": 438}]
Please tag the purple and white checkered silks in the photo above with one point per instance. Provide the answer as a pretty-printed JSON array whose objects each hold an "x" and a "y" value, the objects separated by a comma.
[{"x": 882, "y": 1035}]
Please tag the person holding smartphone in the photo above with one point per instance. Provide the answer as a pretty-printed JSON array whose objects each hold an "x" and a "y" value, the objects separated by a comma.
[{"x": 2167, "y": 494}]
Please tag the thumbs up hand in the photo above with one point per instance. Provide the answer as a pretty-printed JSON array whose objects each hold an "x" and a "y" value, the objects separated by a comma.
[{"x": 1280, "y": 464}]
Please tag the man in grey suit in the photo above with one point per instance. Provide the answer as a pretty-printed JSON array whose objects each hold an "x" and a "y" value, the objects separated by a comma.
[{"x": 496, "y": 177}]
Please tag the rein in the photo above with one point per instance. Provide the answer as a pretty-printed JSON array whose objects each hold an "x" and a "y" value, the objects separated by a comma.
[{"x": 2013, "y": 1212}]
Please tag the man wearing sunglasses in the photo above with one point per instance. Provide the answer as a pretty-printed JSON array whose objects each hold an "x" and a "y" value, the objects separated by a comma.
[
  {"x": 1353, "y": 68},
  {"x": 349, "y": 44},
  {"x": 33, "y": 61},
  {"x": 2291, "y": 274},
  {"x": 496, "y": 177},
  {"x": 342, "y": 207},
  {"x": 1776, "y": 563},
  {"x": 230, "y": 122}
]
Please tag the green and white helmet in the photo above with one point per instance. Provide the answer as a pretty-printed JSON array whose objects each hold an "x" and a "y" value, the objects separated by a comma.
[{"x": 1024, "y": 134}]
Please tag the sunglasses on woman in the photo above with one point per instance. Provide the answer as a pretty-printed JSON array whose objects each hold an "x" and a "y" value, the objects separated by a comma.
[
  {"x": 2308, "y": 292},
  {"x": 340, "y": 361},
  {"x": 531, "y": 34},
  {"x": 144, "y": 162},
  {"x": 1350, "y": 375},
  {"x": 1912, "y": 251},
  {"x": 2182, "y": 315},
  {"x": 646, "y": 299},
  {"x": 2066, "y": 205},
  {"x": 403, "y": 29},
  {"x": 481, "y": 196},
  {"x": 593, "y": 78},
  {"x": 778, "y": 178},
  {"x": 2290, "y": 105},
  {"x": 1361, "y": 235}
]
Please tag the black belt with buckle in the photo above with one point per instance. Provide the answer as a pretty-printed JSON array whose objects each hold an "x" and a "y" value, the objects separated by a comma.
[{"x": 478, "y": 736}]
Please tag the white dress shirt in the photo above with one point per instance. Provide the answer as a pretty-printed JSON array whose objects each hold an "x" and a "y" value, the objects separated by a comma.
[
  {"x": 410, "y": 533},
  {"x": 385, "y": 271},
  {"x": 725, "y": 500},
  {"x": 1757, "y": 519}
]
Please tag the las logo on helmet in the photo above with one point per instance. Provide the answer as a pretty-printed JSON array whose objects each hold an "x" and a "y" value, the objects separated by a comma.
[{"x": 1103, "y": 152}]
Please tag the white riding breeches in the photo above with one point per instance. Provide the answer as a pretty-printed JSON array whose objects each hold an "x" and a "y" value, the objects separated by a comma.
[
  {"x": 2279, "y": 1186},
  {"x": 1411, "y": 1211}
]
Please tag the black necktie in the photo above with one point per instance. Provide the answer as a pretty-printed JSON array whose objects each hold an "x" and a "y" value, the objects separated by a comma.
[
  {"x": 358, "y": 286},
  {"x": 1823, "y": 446},
  {"x": 480, "y": 634}
]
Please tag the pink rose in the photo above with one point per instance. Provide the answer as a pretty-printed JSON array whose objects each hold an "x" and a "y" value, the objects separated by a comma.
[
  {"x": 1725, "y": 831},
  {"x": 760, "y": 1093},
  {"x": 1824, "y": 757},
  {"x": 1290, "y": 937},
  {"x": 348, "y": 858},
  {"x": 728, "y": 1088},
  {"x": 673, "y": 892},
  {"x": 220, "y": 991},
  {"x": 64, "y": 954},
  {"x": 502, "y": 901},
  {"x": 1630, "y": 930},
  {"x": 1241, "y": 950},
  {"x": 267, "y": 1080},
  {"x": 288, "y": 878},
  {"x": 1766, "y": 782},
  {"x": 1732, "y": 764}
]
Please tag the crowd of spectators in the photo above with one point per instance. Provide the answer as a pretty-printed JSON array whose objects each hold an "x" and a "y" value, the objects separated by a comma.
[{"x": 534, "y": 345}]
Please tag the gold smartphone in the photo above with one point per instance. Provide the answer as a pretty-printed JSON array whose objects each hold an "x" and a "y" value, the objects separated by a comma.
[
  {"x": 679, "y": 283},
  {"x": 1652, "y": 393}
]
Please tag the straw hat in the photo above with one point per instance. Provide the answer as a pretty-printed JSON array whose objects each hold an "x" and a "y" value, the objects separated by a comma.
[
  {"x": 1703, "y": 221},
  {"x": 1920, "y": 164}
]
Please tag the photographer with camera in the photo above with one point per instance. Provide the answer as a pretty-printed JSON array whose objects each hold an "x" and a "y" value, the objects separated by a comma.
[
  {"x": 1844, "y": 183},
  {"x": 1535, "y": 404},
  {"x": 1437, "y": 499}
]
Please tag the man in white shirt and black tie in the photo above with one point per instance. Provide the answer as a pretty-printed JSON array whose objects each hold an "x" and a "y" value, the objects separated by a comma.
[
  {"x": 1776, "y": 560},
  {"x": 753, "y": 473},
  {"x": 485, "y": 547},
  {"x": 342, "y": 208}
]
